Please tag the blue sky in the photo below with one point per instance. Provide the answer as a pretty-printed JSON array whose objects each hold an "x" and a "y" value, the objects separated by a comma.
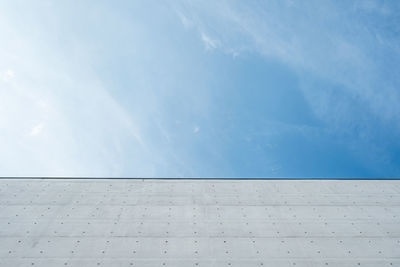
[{"x": 200, "y": 88}]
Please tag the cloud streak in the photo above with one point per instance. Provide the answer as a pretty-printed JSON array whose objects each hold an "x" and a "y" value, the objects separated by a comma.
[{"x": 336, "y": 42}]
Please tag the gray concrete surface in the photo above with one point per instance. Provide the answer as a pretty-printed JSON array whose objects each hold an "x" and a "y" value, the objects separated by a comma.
[{"x": 199, "y": 223}]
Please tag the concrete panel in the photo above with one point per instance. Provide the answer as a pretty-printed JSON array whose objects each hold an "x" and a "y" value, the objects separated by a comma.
[{"x": 93, "y": 222}]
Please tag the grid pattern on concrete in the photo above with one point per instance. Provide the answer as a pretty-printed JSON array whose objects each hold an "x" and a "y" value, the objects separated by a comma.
[{"x": 199, "y": 223}]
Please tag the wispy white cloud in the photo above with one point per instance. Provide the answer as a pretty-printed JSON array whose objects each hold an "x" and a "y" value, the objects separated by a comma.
[
  {"x": 37, "y": 129},
  {"x": 184, "y": 19},
  {"x": 209, "y": 43},
  {"x": 7, "y": 75}
]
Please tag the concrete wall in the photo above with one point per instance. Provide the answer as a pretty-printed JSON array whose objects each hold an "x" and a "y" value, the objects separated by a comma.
[{"x": 199, "y": 223}]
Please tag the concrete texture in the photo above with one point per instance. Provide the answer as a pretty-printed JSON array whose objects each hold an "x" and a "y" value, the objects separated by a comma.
[{"x": 62, "y": 222}]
